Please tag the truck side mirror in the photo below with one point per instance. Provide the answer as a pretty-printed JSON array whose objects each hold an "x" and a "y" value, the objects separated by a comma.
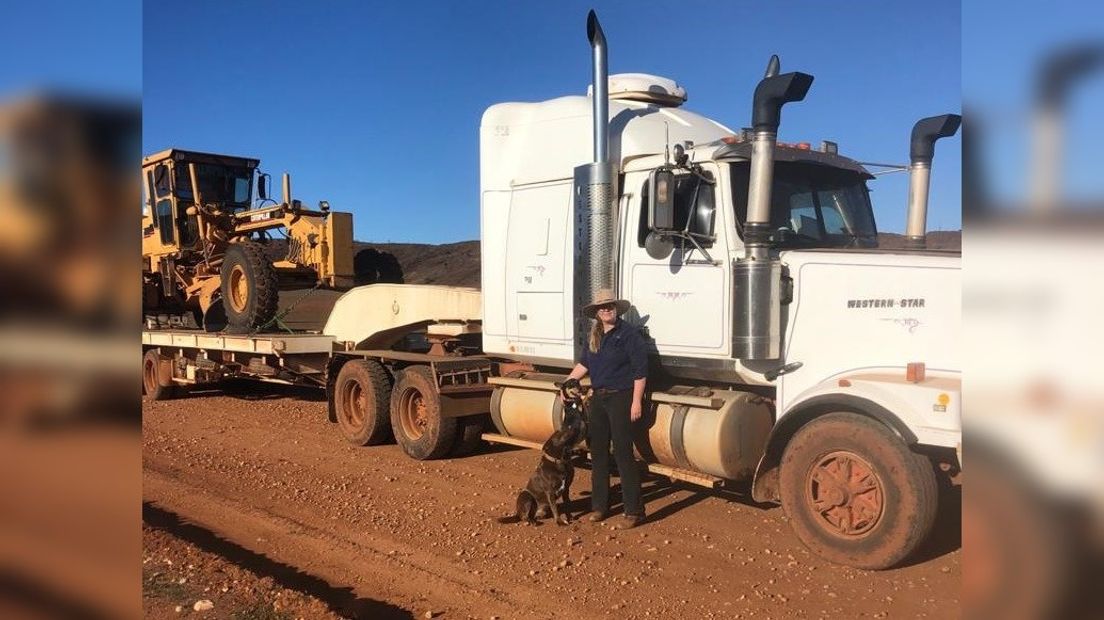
[
  {"x": 661, "y": 200},
  {"x": 262, "y": 187}
]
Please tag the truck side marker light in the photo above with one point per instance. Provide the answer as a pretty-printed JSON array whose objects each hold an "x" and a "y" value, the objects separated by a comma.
[
  {"x": 914, "y": 372},
  {"x": 844, "y": 383}
]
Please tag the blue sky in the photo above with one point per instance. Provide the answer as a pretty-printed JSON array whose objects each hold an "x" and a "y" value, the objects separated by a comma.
[
  {"x": 375, "y": 107},
  {"x": 83, "y": 47},
  {"x": 1005, "y": 43}
]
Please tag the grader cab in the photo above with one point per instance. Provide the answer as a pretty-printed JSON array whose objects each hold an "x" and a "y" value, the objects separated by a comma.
[{"x": 208, "y": 248}]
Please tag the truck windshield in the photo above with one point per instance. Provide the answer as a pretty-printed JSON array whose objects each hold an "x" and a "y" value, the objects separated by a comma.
[
  {"x": 231, "y": 187},
  {"x": 812, "y": 205}
]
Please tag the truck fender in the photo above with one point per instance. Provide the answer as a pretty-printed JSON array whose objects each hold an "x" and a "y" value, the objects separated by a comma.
[{"x": 764, "y": 487}]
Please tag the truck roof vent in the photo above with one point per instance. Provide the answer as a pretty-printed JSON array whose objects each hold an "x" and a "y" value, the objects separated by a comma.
[{"x": 644, "y": 87}]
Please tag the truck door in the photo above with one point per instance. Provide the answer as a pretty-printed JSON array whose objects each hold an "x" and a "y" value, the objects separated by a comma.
[
  {"x": 538, "y": 304},
  {"x": 680, "y": 298}
]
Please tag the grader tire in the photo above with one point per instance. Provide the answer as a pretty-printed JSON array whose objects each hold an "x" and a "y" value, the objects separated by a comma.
[
  {"x": 416, "y": 418},
  {"x": 854, "y": 492},
  {"x": 372, "y": 266},
  {"x": 249, "y": 287},
  {"x": 151, "y": 378},
  {"x": 362, "y": 397}
]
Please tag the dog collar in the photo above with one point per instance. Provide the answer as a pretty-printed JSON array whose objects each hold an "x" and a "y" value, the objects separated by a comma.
[{"x": 546, "y": 456}]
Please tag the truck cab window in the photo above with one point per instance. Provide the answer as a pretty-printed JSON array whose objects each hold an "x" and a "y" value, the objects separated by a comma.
[
  {"x": 812, "y": 205},
  {"x": 164, "y": 217},
  {"x": 226, "y": 186},
  {"x": 161, "y": 180},
  {"x": 694, "y": 201}
]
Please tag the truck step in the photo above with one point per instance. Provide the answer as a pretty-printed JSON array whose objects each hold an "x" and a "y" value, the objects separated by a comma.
[{"x": 674, "y": 473}]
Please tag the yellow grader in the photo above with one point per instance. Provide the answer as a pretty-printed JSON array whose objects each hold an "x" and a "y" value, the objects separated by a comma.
[{"x": 208, "y": 250}]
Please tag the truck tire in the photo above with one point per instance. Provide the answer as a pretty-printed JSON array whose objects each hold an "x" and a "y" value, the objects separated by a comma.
[
  {"x": 470, "y": 435},
  {"x": 151, "y": 377},
  {"x": 249, "y": 287},
  {"x": 854, "y": 492},
  {"x": 416, "y": 417},
  {"x": 362, "y": 397}
]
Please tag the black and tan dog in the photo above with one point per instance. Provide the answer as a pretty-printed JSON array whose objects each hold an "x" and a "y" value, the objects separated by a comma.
[{"x": 552, "y": 479}]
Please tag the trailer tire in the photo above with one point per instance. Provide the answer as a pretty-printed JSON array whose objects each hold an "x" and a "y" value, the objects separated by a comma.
[
  {"x": 362, "y": 397},
  {"x": 855, "y": 493},
  {"x": 470, "y": 435},
  {"x": 416, "y": 417},
  {"x": 154, "y": 385},
  {"x": 249, "y": 286}
]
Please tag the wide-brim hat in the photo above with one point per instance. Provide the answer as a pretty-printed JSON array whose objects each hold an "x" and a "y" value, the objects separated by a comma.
[{"x": 602, "y": 297}]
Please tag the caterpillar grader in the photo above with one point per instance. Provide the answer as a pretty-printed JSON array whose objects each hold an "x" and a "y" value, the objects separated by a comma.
[{"x": 210, "y": 257}]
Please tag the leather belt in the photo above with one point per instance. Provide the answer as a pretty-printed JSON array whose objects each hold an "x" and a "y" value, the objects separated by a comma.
[{"x": 605, "y": 391}]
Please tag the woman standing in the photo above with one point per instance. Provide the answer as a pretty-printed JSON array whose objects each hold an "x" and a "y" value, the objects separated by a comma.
[{"x": 616, "y": 357}]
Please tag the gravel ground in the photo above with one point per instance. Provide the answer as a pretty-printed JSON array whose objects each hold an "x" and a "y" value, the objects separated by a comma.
[{"x": 261, "y": 488}]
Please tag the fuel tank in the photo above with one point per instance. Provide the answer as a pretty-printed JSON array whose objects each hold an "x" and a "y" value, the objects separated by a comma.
[{"x": 717, "y": 432}]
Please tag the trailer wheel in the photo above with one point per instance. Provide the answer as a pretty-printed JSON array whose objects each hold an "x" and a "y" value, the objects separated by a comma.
[
  {"x": 151, "y": 377},
  {"x": 361, "y": 401},
  {"x": 416, "y": 417},
  {"x": 470, "y": 435},
  {"x": 249, "y": 286},
  {"x": 854, "y": 492}
]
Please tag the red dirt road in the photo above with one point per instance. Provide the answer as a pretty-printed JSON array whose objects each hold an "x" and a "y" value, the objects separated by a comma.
[{"x": 263, "y": 481}]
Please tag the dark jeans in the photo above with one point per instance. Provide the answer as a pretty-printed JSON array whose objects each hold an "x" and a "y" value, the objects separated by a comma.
[{"x": 609, "y": 416}]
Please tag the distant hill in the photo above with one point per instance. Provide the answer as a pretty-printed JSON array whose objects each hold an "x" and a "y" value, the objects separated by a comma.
[
  {"x": 454, "y": 264},
  {"x": 937, "y": 240}
]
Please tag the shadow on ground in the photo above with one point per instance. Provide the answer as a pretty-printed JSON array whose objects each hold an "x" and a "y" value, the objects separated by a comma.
[{"x": 340, "y": 599}]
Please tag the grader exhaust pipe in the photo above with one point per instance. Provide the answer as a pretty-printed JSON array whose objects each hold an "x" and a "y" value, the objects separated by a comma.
[
  {"x": 924, "y": 135},
  {"x": 758, "y": 276},
  {"x": 596, "y": 194}
]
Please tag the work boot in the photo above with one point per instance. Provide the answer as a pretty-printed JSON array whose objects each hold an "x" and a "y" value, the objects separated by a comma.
[
  {"x": 597, "y": 517},
  {"x": 631, "y": 521}
]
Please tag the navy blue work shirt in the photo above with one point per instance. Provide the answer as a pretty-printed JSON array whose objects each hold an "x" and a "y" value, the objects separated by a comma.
[{"x": 621, "y": 358}]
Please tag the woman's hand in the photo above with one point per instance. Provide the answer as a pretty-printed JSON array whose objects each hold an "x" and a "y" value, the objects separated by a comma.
[{"x": 636, "y": 411}]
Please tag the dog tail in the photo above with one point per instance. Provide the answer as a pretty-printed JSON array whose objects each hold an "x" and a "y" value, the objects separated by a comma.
[{"x": 509, "y": 519}]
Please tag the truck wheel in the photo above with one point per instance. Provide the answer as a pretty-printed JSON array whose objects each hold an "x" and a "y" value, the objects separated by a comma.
[
  {"x": 249, "y": 286},
  {"x": 854, "y": 492},
  {"x": 361, "y": 401},
  {"x": 416, "y": 417},
  {"x": 470, "y": 435},
  {"x": 151, "y": 377}
]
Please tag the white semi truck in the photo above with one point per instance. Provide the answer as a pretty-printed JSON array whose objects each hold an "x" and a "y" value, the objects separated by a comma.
[{"x": 787, "y": 349}]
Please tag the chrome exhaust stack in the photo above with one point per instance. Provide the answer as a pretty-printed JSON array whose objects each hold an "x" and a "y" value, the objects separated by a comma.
[
  {"x": 758, "y": 277},
  {"x": 1060, "y": 72},
  {"x": 595, "y": 199},
  {"x": 924, "y": 134}
]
